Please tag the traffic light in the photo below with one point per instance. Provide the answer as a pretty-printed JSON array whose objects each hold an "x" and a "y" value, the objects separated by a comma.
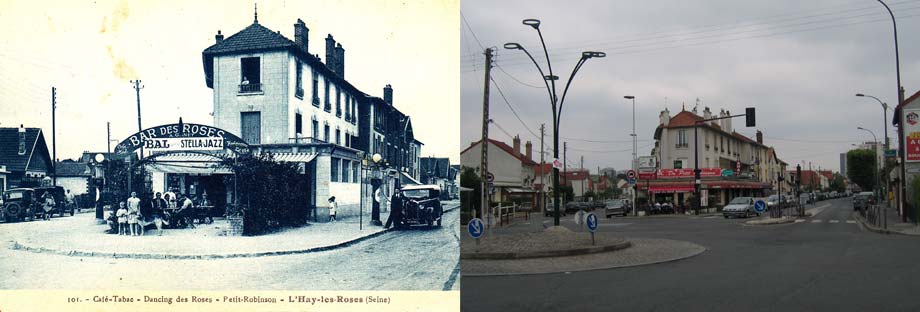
[{"x": 749, "y": 116}]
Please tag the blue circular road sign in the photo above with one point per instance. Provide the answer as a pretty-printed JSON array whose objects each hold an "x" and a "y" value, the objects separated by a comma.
[
  {"x": 591, "y": 222},
  {"x": 475, "y": 227},
  {"x": 760, "y": 205}
]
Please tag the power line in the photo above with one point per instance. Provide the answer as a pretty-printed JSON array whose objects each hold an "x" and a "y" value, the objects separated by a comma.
[
  {"x": 609, "y": 151},
  {"x": 465, "y": 22},
  {"x": 512, "y": 107}
]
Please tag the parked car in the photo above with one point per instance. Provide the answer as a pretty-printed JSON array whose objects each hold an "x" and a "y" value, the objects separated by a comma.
[
  {"x": 423, "y": 205},
  {"x": 617, "y": 207},
  {"x": 863, "y": 200},
  {"x": 598, "y": 204},
  {"x": 661, "y": 208},
  {"x": 26, "y": 203},
  {"x": 773, "y": 201},
  {"x": 549, "y": 211},
  {"x": 739, "y": 207}
]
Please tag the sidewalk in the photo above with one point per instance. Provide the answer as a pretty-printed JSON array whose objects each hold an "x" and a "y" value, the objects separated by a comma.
[
  {"x": 81, "y": 236},
  {"x": 895, "y": 226}
]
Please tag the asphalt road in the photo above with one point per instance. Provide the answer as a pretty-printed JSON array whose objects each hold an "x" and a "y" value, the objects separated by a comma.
[
  {"x": 823, "y": 263},
  {"x": 417, "y": 259}
]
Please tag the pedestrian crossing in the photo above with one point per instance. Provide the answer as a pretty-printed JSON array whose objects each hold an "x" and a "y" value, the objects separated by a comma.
[{"x": 831, "y": 221}]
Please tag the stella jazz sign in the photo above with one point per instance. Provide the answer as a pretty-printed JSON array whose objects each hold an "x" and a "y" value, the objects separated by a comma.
[{"x": 182, "y": 137}]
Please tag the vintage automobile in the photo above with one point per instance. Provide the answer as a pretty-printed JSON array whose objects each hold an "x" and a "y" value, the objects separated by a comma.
[
  {"x": 423, "y": 205},
  {"x": 25, "y": 203}
]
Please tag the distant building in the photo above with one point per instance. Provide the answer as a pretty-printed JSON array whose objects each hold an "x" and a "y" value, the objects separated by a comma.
[
  {"x": 24, "y": 158},
  {"x": 513, "y": 170},
  {"x": 438, "y": 171},
  {"x": 843, "y": 164}
]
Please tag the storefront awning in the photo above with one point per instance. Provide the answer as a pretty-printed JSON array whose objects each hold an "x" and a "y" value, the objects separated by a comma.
[
  {"x": 405, "y": 179},
  {"x": 189, "y": 163},
  {"x": 294, "y": 157},
  {"x": 519, "y": 190},
  {"x": 671, "y": 188}
]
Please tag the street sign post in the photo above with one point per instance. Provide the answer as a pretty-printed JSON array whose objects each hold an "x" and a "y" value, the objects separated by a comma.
[
  {"x": 760, "y": 206},
  {"x": 631, "y": 174},
  {"x": 591, "y": 222},
  {"x": 475, "y": 229},
  {"x": 490, "y": 177}
]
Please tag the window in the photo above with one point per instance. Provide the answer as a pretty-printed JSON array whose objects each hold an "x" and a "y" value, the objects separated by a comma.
[
  {"x": 338, "y": 136},
  {"x": 338, "y": 103},
  {"x": 315, "y": 88},
  {"x": 347, "y": 108},
  {"x": 315, "y": 128},
  {"x": 347, "y": 139},
  {"x": 326, "y": 133},
  {"x": 250, "y": 77},
  {"x": 326, "y": 105},
  {"x": 729, "y": 147},
  {"x": 251, "y": 127},
  {"x": 299, "y": 71},
  {"x": 298, "y": 123},
  {"x": 354, "y": 172},
  {"x": 334, "y": 174},
  {"x": 721, "y": 144},
  {"x": 682, "y": 138},
  {"x": 678, "y": 164},
  {"x": 345, "y": 171}
]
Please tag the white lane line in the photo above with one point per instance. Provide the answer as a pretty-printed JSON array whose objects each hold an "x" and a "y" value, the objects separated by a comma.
[
  {"x": 834, "y": 221},
  {"x": 799, "y": 220},
  {"x": 816, "y": 221},
  {"x": 851, "y": 221}
]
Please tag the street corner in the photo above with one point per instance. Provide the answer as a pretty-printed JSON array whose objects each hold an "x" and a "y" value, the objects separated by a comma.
[
  {"x": 641, "y": 251},
  {"x": 554, "y": 241},
  {"x": 770, "y": 221}
]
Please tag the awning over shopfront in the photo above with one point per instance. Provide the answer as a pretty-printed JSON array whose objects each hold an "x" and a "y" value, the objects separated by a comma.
[
  {"x": 519, "y": 190},
  {"x": 189, "y": 163},
  {"x": 673, "y": 188},
  {"x": 687, "y": 186},
  {"x": 405, "y": 179},
  {"x": 294, "y": 157}
]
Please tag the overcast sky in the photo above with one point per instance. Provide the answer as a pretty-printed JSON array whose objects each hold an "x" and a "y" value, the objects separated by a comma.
[
  {"x": 90, "y": 50},
  {"x": 798, "y": 62}
]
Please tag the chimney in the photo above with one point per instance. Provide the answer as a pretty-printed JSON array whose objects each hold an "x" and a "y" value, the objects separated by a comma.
[
  {"x": 529, "y": 150},
  {"x": 664, "y": 117},
  {"x": 219, "y": 37},
  {"x": 388, "y": 94},
  {"x": 707, "y": 113},
  {"x": 517, "y": 145},
  {"x": 301, "y": 39},
  {"x": 22, "y": 140},
  {"x": 330, "y": 53},
  {"x": 728, "y": 122},
  {"x": 759, "y": 137},
  {"x": 340, "y": 59}
]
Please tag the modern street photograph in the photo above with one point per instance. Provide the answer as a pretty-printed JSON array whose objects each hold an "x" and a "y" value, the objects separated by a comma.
[
  {"x": 198, "y": 145},
  {"x": 690, "y": 155}
]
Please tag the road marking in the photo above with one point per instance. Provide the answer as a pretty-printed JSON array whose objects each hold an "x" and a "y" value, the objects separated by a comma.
[
  {"x": 834, "y": 221},
  {"x": 851, "y": 221},
  {"x": 799, "y": 220},
  {"x": 816, "y": 221}
]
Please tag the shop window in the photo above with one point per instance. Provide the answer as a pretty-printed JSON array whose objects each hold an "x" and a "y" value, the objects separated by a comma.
[
  {"x": 251, "y": 127},
  {"x": 345, "y": 171},
  {"x": 334, "y": 174},
  {"x": 299, "y": 71},
  {"x": 298, "y": 123},
  {"x": 251, "y": 79}
]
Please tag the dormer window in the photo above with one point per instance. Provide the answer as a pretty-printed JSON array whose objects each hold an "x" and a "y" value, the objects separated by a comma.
[{"x": 250, "y": 75}]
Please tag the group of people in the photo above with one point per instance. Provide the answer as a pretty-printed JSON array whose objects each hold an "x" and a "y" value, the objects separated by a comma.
[{"x": 131, "y": 219}]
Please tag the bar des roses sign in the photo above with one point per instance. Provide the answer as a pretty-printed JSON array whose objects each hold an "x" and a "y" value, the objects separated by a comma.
[{"x": 182, "y": 137}]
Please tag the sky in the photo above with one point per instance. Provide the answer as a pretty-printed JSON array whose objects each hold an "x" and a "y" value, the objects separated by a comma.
[
  {"x": 91, "y": 50},
  {"x": 799, "y": 63}
]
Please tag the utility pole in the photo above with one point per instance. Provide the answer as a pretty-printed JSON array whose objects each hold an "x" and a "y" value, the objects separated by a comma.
[
  {"x": 54, "y": 136},
  {"x": 484, "y": 165},
  {"x": 542, "y": 206},
  {"x": 137, "y": 89}
]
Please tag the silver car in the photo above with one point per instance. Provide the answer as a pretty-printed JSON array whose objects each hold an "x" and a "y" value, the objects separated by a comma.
[{"x": 739, "y": 207}]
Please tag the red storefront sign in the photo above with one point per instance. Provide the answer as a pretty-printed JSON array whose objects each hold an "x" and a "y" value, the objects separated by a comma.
[
  {"x": 912, "y": 134},
  {"x": 671, "y": 188},
  {"x": 688, "y": 173},
  {"x": 647, "y": 175}
]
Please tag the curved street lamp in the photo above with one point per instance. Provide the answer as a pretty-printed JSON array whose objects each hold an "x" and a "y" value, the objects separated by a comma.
[
  {"x": 878, "y": 183},
  {"x": 884, "y": 115},
  {"x": 550, "y": 82}
]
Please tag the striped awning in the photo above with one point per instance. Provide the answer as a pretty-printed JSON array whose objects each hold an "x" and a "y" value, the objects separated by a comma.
[{"x": 294, "y": 157}]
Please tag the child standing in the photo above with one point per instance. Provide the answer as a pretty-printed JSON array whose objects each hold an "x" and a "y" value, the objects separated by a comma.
[
  {"x": 332, "y": 207},
  {"x": 122, "y": 214}
]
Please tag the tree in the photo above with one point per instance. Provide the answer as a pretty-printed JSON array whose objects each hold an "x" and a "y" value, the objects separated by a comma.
[
  {"x": 272, "y": 194},
  {"x": 470, "y": 179},
  {"x": 862, "y": 168},
  {"x": 838, "y": 184}
]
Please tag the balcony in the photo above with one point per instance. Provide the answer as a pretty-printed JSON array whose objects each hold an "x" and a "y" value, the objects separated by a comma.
[
  {"x": 251, "y": 88},
  {"x": 681, "y": 145},
  {"x": 315, "y": 100}
]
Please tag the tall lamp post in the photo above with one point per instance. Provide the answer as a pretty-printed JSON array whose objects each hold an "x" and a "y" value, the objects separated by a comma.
[
  {"x": 550, "y": 82},
  {"x": 884, "y": 126},
  {"x": 897, "y": 66},
  {"x": 877, "y": 180},
  {"x": 633, "y": 135}
]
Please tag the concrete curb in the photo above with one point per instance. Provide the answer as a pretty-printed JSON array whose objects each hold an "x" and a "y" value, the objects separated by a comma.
[
  {"x": 545, "y": 253},
  {"x": 80, "y": 253},
  {"x": 863, "y": 223}
]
